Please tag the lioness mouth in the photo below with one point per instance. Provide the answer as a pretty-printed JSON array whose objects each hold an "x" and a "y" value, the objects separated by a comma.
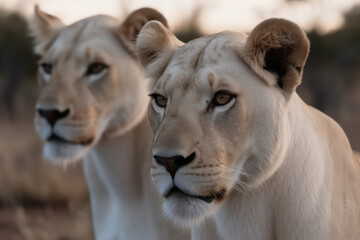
[
  {"x": 54, "y": 137},
  {"x": 211, "y": 197}
]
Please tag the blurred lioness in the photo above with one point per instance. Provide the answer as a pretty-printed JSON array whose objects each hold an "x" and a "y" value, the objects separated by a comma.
[{"x": 92, "y": 105}]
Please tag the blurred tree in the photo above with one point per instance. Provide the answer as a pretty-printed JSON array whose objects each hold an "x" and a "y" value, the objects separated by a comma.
[
  {"x": 190, "y": 28},
  {"x": 334, "y": 63},
  {"x": 17, "y": 62}
]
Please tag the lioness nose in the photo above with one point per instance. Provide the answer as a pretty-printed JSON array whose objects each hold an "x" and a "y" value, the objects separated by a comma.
[
  {"x": 53, "y": 115},
  {"x": 172, "y": 164}
]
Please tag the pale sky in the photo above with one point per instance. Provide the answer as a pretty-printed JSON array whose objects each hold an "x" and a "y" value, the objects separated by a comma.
[{"x": 216, "y": 15}]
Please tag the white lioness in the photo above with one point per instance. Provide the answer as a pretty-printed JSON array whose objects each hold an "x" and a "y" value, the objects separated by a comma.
[
  {"x": 92, "y": 104},
  {"x": 237, "y": 153}
]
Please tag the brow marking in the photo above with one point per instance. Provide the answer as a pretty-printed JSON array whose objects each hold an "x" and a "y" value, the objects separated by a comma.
[
  {"x": 211, "y": 79},
  {"x": 166, "y": 80},
  {"x": 87, "y": 52}
]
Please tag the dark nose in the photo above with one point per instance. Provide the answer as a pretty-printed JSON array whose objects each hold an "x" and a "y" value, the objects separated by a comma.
[
  {"x": 53, "y": 115},
  {"x": 172, "y": 164}
]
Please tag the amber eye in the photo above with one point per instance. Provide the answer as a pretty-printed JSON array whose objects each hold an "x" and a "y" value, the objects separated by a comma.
[
  {"x": 47, "y": 68},
  {"x": 160, "y": 100},
  {"x": 222, "y": 98},
  {"x": 95, "y": 68}
]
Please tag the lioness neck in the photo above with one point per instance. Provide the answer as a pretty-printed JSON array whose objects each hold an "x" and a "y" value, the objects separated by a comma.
[
  {"x": 303, "y": 198},
  {"x": 117, "y": 172},
  {"x": 115, "y": 182},
  {"x": 122, "y": 159}
]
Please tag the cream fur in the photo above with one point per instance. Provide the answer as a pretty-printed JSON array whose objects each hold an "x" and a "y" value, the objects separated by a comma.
[
  {"x": 106, "y": 123},
  {"x": 272, "y": 166}
]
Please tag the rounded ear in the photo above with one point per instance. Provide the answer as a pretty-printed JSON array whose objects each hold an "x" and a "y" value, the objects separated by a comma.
[
  {"x": 155, "y": 39},
  {"x": 132, "y": 25},
  {"x": 43, "y": 27},
  {"x": 280, "y": 47}
]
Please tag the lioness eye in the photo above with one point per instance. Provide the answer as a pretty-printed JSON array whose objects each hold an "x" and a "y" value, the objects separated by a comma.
[
  {"x": 222, "y": 98},
  {"x": 47, "y": 68},
  {"x": 95, "y": 68},
  {"x": 160, "y": 100}
]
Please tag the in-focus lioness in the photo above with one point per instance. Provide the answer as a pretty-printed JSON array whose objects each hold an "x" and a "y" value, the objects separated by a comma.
[
  {"x": 92, "y": 104},
  {"x": 236, "y": 153}
]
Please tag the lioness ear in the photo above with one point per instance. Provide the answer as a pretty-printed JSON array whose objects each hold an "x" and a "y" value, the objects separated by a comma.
[
  {"x": 154, "y": 40},
  {"x": 43, "y": 26},
  {"x": 132, "y": 25},
  {"x": 280, "y": 47}
]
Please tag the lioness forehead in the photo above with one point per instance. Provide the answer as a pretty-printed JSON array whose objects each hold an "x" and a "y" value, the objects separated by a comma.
[
  {"x": 77, "y": 33},
  {"x": 198, "y": 56}
]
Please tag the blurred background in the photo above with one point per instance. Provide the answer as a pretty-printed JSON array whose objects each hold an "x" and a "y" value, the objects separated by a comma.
[{"x": 40, "y": 201}]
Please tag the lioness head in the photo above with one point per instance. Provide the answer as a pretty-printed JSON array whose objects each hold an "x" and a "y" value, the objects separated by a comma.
[
  {"x": 217, "y": 111},
  {"x": 90, "y": 79}
]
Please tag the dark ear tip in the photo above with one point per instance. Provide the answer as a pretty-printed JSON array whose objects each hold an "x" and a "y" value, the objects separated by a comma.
[
  {"x": 138, "y": 19},
  {"x": 279, "y": 24},
  {"x": 277, "y": 32},
  {"x": 153, "y": 14}
]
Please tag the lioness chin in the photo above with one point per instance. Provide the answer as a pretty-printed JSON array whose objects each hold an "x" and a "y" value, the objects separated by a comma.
[
  {"x": 92, "y": 104},
  {"x": 236, "y": 153}
]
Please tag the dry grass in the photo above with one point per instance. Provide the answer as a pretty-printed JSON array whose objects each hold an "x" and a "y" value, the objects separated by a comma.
[{"x": 48, "y": 223}]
